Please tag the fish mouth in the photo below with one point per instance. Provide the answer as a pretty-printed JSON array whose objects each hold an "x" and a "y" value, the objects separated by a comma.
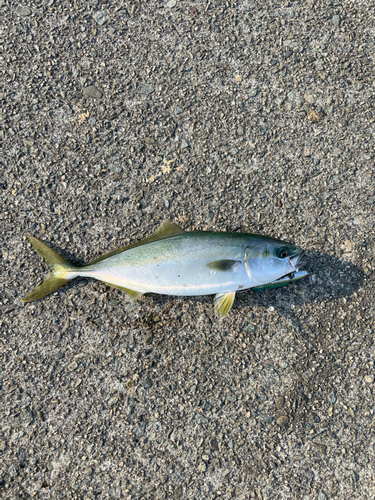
[{"x": 298, "y": 260}]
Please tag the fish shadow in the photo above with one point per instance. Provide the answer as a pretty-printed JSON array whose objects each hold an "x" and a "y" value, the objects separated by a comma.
[{"x": 329, "y": 278}]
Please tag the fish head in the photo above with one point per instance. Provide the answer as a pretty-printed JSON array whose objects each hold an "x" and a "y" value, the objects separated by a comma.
[{"x": 270, "y": 259}]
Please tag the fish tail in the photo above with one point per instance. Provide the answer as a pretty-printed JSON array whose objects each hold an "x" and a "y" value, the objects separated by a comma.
[{"x": 61, "y": 271}]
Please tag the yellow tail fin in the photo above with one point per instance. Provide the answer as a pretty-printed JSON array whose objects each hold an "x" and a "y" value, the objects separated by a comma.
[{"x": 62, "y": 271}]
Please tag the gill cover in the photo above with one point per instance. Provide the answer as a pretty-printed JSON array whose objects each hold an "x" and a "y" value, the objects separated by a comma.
[{"x": 252, "y": 255}]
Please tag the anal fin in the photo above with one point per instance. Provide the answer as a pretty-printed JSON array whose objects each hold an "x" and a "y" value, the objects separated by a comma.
[
  {"x": 223, "y": 303},
  {"x": 132, "y": 294}
]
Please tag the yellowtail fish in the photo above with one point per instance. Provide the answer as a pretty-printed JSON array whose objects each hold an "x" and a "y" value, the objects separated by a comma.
[{"x": 175, "y": 262}]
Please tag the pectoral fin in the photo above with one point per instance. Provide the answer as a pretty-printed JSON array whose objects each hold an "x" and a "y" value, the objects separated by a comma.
[
  {"x": 223, "y": 303},
  {"x": 132, "y": 294},
  {"x": 223, "y": 265}
]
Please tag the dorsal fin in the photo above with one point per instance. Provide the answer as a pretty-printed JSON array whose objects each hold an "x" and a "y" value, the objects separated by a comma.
[{"x": 166, "y": 230}]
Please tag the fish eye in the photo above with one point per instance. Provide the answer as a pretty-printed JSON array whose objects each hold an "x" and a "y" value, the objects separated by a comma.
[{"x": 282, "y": 253}]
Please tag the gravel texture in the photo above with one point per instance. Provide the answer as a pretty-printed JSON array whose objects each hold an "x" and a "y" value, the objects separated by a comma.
[{"x": 228, "y": 115}]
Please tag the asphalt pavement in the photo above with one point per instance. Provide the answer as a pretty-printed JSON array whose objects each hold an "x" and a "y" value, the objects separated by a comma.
[{"x": 253, "y": 116}]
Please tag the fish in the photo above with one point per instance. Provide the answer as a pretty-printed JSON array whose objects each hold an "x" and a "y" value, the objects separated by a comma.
[{"x": 173, "y": 261}]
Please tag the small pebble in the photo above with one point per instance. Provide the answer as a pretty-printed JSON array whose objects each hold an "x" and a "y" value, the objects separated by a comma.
[
  {"x": 309, "y": 98},
  {"x": 322, "y": 448},
  {"x": 267, "y": 418},
  {"x": 313, "y": 116},
  {"x": 26, "y": 399},
  {"x": 207, "y": 406},
  {"x": 282, "y": 421},
  {"x": 202, "y": 420},
  {"x": 202, "y": 467},
  {"x": 332, "y": 398},
  {"x": 100, "y": 17},
  {"x": 92, "y": 91},
  {"x": 13, "y": 471},
  {"x": 246, "y": 28},
  {"x": 336, "y": 20},
  {"x": 290, "y": 12},
  {"x": 23, "y": 11},
  {"x": 140, "y": 431},
  {"x": 115, "y": 168},
  {"x": 146, "y": 89},
  {"x": 147, "y": 383},
  {"x": 280, "y": 401},
  {"x": 21, "y": 455},
  {"x": 247, "y": 6}
]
